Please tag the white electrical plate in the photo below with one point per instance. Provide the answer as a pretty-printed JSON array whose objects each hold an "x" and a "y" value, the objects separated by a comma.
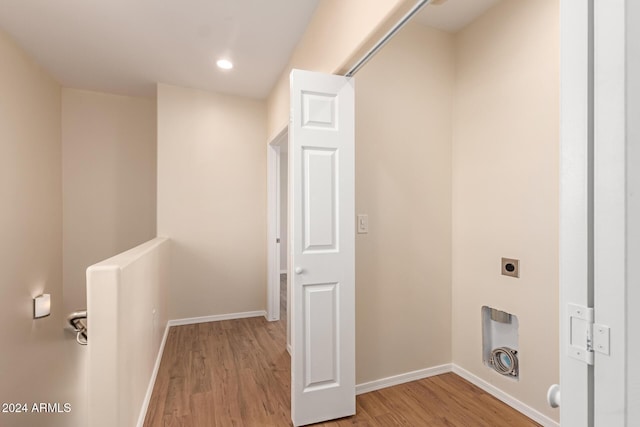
[
  {"x": 363, "y": 224},
  {"x": 41, "y": 306}
]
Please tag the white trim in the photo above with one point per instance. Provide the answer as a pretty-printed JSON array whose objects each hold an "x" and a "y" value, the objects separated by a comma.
[
  {"x": 273, "y": 218},
  {"x": 402, "y": 378},
  {"x": 152, "y": 380},
  {"x": 610, "y": 221},
  {"x": 216, "y": 318},
  {"x": 273, "y": 224},
  {"x": 632, "y": 89},
  {"x": 504, "y": 397},
  {"x": 576, "y": 196}
]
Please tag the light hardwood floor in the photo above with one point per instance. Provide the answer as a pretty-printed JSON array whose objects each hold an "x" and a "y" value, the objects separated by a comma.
[{"x": 236, "y": 373}]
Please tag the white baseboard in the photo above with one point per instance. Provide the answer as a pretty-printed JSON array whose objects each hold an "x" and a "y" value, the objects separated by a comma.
[
  {"x": 217, "y": 318},
  {"x": 506, "y": 398},
  {"x": 152, "y": 380},
  {"x": 402, "y": 378}
]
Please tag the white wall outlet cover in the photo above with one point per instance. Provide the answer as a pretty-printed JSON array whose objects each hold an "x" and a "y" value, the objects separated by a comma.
[{"x": 41, "y": 306}]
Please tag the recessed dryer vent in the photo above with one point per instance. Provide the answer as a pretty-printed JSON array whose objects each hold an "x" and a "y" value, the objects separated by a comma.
[{"x": 500, "y": 342}]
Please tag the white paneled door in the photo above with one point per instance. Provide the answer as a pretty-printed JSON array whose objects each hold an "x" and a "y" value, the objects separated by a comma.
[{"x": 321, "y": 205}]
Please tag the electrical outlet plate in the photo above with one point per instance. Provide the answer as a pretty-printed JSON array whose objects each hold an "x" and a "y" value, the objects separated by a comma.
[{"x": 510, "y": 267}]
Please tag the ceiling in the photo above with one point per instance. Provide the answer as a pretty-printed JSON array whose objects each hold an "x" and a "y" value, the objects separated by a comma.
[
  {"x": 453, "y": 15},
  {"x": 126, "y": 46}
]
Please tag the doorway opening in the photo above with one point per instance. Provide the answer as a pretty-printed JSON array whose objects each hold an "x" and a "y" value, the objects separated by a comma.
[{"x": 278, "y": 240}]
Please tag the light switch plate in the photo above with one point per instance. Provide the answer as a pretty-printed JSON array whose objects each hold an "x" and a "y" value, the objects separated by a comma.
[{"x": 363, "y": 224}]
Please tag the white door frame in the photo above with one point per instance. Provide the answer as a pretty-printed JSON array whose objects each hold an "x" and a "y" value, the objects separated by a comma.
[
  {"x": 273, "y": 225},
  {"x": 632, "y": 111},
  {"x": 576, "y": 202},
  {"x": 598, "y": 211},
  {"x": 614, "y": 179}
]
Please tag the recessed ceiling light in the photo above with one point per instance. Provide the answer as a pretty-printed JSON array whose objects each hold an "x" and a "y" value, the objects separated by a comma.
[{"x": 225, "y": 64}]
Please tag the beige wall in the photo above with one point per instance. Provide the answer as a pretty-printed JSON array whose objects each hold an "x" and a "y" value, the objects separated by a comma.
[
  {"x": 127, "y": 305},
  {"x": 109, "y": 180},
  {"x": 403, "y": 182},
  {"x": 212, "y": 200},
  {"x": 337, "y": 31},
  {"x": 39, "y": 362},
  {"x": 505, "y": 189}
]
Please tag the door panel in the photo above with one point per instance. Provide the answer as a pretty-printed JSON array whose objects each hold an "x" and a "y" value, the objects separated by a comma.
[
  {"x": 319, "y": 188},
  {"x": 321, "y": 333},
  {"x": 321, "y": 204}
]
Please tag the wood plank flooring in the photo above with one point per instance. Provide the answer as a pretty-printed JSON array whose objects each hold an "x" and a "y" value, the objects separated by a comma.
[{"x": 236, "y": 373}]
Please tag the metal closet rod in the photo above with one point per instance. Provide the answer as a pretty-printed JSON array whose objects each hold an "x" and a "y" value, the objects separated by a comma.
[{"x": 387, "y": 37}]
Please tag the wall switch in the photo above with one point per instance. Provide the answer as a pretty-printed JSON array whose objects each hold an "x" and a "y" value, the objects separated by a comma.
[
  {"x": 363, "y": 224},
  {"x": 511, "y": 267}
]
